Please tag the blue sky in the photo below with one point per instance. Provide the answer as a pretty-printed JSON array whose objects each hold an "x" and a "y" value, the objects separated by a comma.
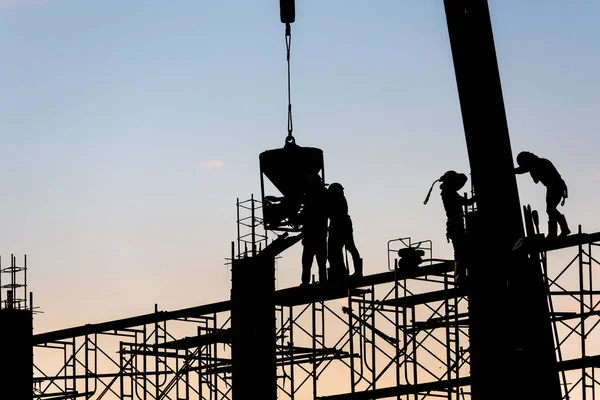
[{"x": 130, "y": 128}]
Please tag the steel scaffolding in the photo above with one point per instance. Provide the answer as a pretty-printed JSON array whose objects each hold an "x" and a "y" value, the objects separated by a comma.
[
  {"x": 149, "y": 356},
  {"x": 400, "y": 333}
]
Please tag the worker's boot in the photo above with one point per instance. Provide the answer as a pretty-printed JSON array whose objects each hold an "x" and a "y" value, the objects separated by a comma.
[
  {"x": 358, "y": 268},
  {"x": 305, "y": 276},
  {"x": 564, "y": 228},
  {"x": 551, "y": 229}
]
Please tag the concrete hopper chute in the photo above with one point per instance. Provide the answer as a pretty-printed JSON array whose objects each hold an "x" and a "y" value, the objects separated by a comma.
[{"x": 288, "y": 170}]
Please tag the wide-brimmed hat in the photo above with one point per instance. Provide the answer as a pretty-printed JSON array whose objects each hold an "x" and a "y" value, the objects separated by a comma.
[{"x": 453, "y": 180}]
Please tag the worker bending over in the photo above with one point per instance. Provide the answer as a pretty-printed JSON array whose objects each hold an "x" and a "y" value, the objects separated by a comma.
[{"x": 542, "y": 170}]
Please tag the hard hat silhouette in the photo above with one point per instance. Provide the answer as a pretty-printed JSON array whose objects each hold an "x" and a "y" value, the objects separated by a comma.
[
  {"x": 336, "y": 187},
  {"x": 524, "y": 158}
]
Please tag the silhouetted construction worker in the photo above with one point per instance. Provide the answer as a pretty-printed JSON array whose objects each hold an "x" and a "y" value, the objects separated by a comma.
[
  {"x": 542, "y": 170},
  {"x": 451, "y": 183},
  {"x": 314, "y": 229},
  {"x": 341, "y": 234}
]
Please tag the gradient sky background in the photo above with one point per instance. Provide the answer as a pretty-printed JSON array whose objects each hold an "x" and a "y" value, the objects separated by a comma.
[{"x": 129, "y": 128}]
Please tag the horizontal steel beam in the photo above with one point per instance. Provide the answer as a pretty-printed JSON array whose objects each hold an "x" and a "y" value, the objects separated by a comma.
[
  {"x": 429, "y": 325},
  {"x": 121, "y": 324},
  {"x": 424, "y": 298},
  {"x": 221, "y": 336},
  {"x": 100, "y": 376},
  {"x": 534, "y": 243},
  {"x": 281, "y": 362},
  {"x": 400, "y": 390},
  {"x": 579, "y": 363},
  {"x": 573, "y": 315},
  {"x": 289, "y": 296},
  {"x": 315, "y": 293}
]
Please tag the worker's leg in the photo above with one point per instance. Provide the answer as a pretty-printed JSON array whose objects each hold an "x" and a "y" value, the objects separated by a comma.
[
  {"x": 564, "y": 227},
  {"x": 321, "y": 255},
  {"x": 457, "y": 235},
  {"x": 308, "y": 253},
  {"x": 553, "y": 197},
  {"x": 351, "y": 247},
  {"x": 335, "y": 254}
]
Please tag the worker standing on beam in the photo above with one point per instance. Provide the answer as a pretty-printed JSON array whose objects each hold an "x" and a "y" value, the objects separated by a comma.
[
  {"x": 451, "y": 183},
  {"x": 542, "y": 170},
  {"x": 341, "y": 235},
  {"x": 314, "y": 229}
]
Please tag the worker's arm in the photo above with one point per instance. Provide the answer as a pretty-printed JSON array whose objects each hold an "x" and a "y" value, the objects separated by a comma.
[
  {"x": 565, "y": 195},
  {"x": 520, "y": 170},
  {"x": 274, "y": 199},
  {"x": 533, "y": 171},
  {"x": 470, "y": 202},
  {"x": 465, "y": 201}
]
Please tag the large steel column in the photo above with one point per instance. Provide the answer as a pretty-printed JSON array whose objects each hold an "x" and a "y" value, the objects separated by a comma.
[
  {"x": 254, "y": 374},
  {"x": 16, "y": 353},
  {"x": 504, "y": 287}
]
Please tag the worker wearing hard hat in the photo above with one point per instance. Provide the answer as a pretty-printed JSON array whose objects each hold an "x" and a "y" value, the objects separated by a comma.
[
  {"x": 314, "y": 229},
  {"x": 542, "y": 170},
  {"x": 341, "y": 234}
]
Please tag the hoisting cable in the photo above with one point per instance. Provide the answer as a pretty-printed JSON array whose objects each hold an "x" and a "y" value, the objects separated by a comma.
[
  {"x": 287, "y": 13},
  {"x": 288, "y": 44}
]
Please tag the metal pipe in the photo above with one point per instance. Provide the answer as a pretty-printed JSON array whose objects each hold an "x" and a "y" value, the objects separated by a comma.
[{"x": 582, "y": 320}]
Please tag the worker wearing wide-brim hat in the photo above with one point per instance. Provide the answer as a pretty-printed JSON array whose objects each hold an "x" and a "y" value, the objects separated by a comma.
[{"x": 451, "y": 183}]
